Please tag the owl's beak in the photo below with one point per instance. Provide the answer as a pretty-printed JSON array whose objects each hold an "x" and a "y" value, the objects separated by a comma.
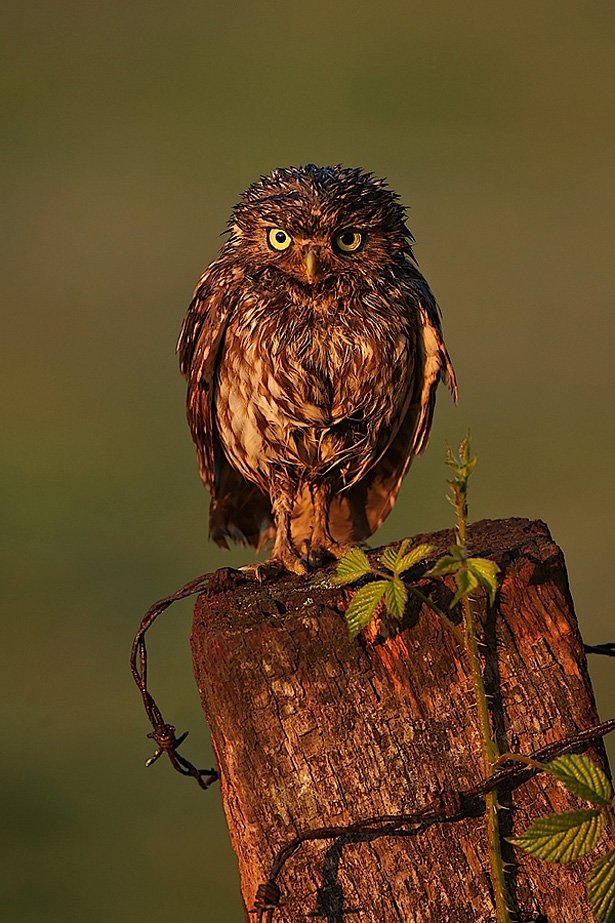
[{"x": 313, "y": 269}]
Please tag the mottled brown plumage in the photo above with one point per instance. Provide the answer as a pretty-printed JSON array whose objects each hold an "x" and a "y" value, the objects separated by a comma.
[{"x": 313, "y": 350}]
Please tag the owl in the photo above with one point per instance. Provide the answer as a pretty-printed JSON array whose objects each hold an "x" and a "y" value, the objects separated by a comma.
[{"x": 313, "y": 350}]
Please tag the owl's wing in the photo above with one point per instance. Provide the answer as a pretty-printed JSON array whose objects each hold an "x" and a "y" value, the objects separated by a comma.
[
  {"x": 436, "y": 366},
  {"x": 198, "y": 346},
  {"x": 359, "y": 512},
  {"x": 238, "y": 510}
]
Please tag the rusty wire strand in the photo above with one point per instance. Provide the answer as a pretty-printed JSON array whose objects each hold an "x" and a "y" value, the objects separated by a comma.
[
  {"x": 162, "y": 733},
  {"x": 449, "y": 806},
  {"x": 608, "y": 649}
]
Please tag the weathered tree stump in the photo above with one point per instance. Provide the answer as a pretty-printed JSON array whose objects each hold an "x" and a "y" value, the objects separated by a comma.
[{"x": 311, "y": 729}]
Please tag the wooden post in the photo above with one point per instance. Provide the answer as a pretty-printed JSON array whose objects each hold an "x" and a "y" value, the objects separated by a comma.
[{"x": 311, "y": 729}]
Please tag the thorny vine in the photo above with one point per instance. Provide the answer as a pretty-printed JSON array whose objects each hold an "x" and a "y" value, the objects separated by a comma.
[{"x": 446, "y": 807}]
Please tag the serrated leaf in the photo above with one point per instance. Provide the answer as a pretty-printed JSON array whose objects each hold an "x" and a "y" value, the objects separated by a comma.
[
  {"x": 582, "y": 777},
  {"x": 562, "y": 837},
  {"x": 412, "y": 557},
  {"x": 465, "y": 452},
  {"x": 465, "y": 463},
  {"x": 390, "y": 557},
  {"x": 485, "y": 571},
  {"x": 363, "y": 606},
  {"x": 601, "y": 888},
  {"x": 466, "y": 583},
  {"x": 446, "y": 565},
  {"x": 351, "y": 567},
  {"x": 396, "y": 598}
]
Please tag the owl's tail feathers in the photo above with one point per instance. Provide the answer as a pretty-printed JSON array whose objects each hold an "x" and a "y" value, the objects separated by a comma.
[{"x": 239, "y": 511}]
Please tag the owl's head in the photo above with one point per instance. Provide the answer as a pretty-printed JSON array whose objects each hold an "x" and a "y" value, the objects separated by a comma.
[{"x": 312, "y": 223}]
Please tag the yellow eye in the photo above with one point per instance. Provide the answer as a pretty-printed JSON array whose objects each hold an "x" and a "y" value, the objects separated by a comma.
[
  {"x": 348, "y": 241},
  {"x": 278, "y": 239}
]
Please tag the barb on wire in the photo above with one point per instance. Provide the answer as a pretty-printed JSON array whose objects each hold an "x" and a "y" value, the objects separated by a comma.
[
  {"x": 266, "y": 901},
  {"x": 164, "y": 734},
  {"x": 448, "y": 806}
]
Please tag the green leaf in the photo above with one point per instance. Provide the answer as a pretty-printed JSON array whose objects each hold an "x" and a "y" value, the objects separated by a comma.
[
  {"x": 401, "y": 559},
  {"x": 464, "y": 465},
  {"x": 396, "y": 597},
  {"x": 601, "y": 889},
  {"x": 351, "y": 567},
  {"x": 582, "y": 777},
  {"x": 363, "y": 606},
  {"x": 391, "y": 556},
  {"x": 465, "y": 453},
  {"x": 446, "y": 565},
  {"x": 466, "y": 583},
  {"x": 562, "y": 837},
  {"x": 412, "y": 557},
  {"x": 485, "y": 572}
]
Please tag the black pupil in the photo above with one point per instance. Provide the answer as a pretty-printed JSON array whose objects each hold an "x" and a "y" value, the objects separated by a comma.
[
  {"x": 348, "y": 239},
  {"x": 280, "y": 237}
]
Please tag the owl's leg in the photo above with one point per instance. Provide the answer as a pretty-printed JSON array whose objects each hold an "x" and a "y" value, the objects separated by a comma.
[
  {"x": 323, "y": 545},
  {"x": 282, "y": 493},
  {"x": 284, "y": 555}
]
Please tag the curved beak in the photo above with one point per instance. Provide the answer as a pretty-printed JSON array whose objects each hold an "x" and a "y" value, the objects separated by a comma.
[{"x": 313, "y": 269}]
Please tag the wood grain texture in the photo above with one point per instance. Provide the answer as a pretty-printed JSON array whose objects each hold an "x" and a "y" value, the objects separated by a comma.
[{"x": 311, "y": 729}]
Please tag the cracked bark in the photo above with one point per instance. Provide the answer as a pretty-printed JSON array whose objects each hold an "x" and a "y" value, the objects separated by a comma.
[{"x": 311, "y": 729}]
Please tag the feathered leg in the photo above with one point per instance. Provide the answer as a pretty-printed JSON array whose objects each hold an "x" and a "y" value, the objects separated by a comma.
[
  {"x": 323, "y": 545},
  {"x": 284, "y": 555},
  {"x": 283, "y": 492}
]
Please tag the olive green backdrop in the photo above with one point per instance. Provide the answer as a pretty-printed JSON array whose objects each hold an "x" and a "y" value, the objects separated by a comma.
[{"x": 131, "y": 129}]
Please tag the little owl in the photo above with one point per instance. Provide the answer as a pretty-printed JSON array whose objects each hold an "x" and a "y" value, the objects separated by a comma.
[{"x": 313, "y": 350}]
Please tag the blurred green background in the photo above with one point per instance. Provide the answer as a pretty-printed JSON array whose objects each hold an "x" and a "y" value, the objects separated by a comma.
[{"x": 131, "y": 128}]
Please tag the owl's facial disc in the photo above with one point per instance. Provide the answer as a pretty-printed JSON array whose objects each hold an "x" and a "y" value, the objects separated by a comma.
[{"x": 313, "y": 258}]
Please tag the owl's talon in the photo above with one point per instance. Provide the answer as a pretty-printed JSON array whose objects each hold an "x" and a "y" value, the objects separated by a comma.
[
  {"x": 274, "y": 567},
  {"x": 338, "y": 550},
  {"x": 332, "y": 551},
  {"x": 267, "y": 570},
  {"x": 292, "y": 563}
]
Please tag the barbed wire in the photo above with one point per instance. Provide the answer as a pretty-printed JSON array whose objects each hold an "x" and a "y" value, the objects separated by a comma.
[{"x": 162, "y": 732}]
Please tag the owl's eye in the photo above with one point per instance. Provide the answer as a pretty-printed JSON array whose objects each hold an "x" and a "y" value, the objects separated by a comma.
[
  {"x": 348, "y": 241},
  {"x": 278, "y": 239}
]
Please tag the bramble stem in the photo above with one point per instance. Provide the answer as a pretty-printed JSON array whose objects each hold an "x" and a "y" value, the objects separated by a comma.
[
  {"x": 489, "y": 745},
  {"x": 448, "y": 624},
  {"x": 455, "y": 631},
  {"x": 490, "y": 758}
]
